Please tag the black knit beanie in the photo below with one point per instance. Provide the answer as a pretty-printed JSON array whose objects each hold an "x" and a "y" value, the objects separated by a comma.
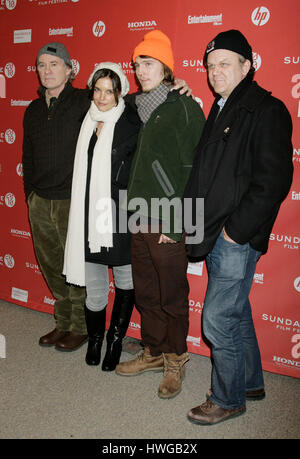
[{"x": 233, "y": 40}]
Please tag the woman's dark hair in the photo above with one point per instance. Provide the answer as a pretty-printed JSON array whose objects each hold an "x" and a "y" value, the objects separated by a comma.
[{"x": 107, "y": 73}]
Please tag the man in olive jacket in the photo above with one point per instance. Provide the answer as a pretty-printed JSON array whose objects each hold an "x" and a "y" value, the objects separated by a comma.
[
  {"x": 243, "y": 170},
  {"x": 172, "y": 126},
  {"x": 51, "y": 127}
]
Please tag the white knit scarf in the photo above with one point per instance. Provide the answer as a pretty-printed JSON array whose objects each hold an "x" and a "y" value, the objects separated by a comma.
[{"x": 100, "y": 209}]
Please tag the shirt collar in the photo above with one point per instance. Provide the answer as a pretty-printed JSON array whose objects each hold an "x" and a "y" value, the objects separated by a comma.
[{"x": 221, "y": 102}]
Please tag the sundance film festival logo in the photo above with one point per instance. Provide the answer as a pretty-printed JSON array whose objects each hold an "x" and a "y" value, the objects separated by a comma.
[
  {"x": 256, "y": 61},
  {"x": 260, "y": 16},
  {"x": 297, "y": 284},
  {"x": 9, "y": 70},
  {"x": 9, "y": 261},
  {"x": 10, "y": 136},
  {"x": 75, "y": 66},
  {"x": 19, "y": 169},
  {"x": 10, "y": 4},
  {"x": 10, "y": 199},
  {"x": 288, "y": 241},
  {"x": 98, "y": 29}
]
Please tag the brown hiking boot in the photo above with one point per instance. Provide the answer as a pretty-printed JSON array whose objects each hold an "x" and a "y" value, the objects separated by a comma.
[
  {"x": 174, "y": 373},
  {"x": 144, "y": 362}
]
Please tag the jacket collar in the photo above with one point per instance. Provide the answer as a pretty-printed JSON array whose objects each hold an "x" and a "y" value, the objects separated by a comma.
[
  {"x": 247, "y": 94},
  {"x": 67, "y": 89}
]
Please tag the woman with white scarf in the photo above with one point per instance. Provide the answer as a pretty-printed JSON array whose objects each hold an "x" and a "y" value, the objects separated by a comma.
[{"x": 104, "y": 151}]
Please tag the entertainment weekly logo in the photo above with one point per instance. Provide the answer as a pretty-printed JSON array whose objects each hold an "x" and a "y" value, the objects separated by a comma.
[
  {"x": 68, "y": 31},
  {"x": 215, "y": 19}
]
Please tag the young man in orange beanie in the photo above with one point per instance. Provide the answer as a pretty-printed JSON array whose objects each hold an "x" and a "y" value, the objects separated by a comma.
[{"x": 172, "y": 126}]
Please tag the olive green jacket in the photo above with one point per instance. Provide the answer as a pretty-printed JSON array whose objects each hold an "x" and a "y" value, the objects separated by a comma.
[{"x": 163, "y": 160}]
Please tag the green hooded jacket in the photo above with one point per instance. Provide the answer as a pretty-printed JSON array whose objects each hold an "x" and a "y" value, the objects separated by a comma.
[{"x": 163, "y": 160}]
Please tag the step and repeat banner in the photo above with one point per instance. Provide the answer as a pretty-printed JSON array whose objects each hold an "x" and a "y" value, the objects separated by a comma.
[{"x": 97, "y": 30}]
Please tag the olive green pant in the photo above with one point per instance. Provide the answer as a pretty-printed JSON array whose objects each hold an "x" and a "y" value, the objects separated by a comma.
[{"x": 49, "y": 225}]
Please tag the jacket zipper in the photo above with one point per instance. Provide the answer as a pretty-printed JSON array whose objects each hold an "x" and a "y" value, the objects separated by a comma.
[
  {"x": 122, "y": 164},
  {"x": 138, "y": 155}
]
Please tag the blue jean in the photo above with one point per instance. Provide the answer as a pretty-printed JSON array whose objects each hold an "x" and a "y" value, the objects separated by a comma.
[{"x": 228, "y": 323}]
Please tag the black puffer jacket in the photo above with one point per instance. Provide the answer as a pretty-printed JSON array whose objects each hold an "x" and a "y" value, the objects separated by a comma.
[{"x": 242, "y": 168}]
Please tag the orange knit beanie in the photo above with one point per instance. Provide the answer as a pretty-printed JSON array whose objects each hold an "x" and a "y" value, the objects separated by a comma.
[{"x": 157, "y": 45}]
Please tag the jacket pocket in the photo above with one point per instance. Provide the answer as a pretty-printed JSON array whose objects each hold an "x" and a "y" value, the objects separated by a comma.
[
  {"x": 30, "y": 196},
  {"x": 121, "y": 172},
  {"x": 162, "y": 178}
]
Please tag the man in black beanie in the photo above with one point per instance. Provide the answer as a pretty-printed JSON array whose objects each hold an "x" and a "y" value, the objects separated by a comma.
[{"x": 243, "y": 170}]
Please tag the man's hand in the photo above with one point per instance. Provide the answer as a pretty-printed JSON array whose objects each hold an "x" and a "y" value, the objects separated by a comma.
[
  {"x": 185, "y": 89},
  {"x": 227, "y": 238},
  {"x": 165, "y": 240}
]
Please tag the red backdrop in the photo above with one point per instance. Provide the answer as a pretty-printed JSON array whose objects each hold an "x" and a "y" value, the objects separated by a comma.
[{"x": 95, "y": 31}]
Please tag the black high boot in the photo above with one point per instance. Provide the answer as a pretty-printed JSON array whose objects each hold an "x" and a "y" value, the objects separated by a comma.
[
  {"x": 95, "y": 324},
  {"x": 120, "y": 317}
]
